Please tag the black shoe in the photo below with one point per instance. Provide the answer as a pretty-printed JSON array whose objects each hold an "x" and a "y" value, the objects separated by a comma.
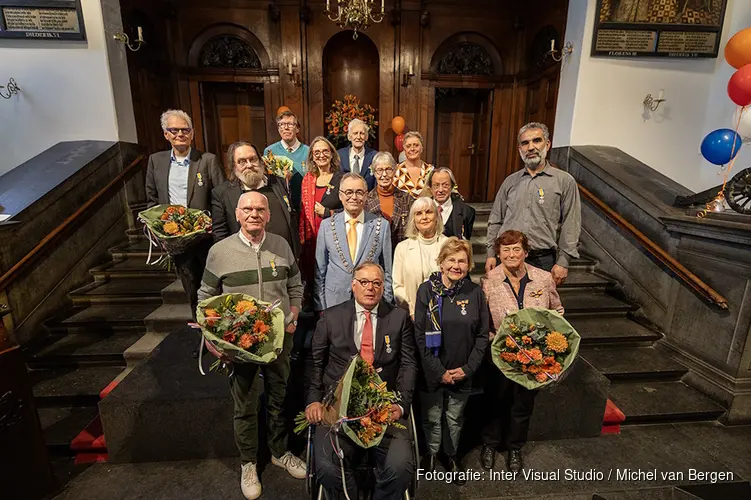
[
  {"x": 454, "y": 467},
  {"x": 515, "y": 463},
  {"x": 487, "y": 457},
  {"x": 428, "y": 462}
]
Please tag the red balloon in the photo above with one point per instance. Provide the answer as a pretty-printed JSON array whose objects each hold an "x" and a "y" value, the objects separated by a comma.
[
  {"x": 739, "y": 86},
  {"x": 399, "y": 142}
]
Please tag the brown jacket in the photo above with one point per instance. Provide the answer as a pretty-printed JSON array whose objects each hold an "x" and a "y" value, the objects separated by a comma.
[{"x": 402, "y": 204}]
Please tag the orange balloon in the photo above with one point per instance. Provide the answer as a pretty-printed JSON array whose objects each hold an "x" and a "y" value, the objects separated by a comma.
[
  {"x": 738, "y": 49},
  {"x": 397, "y": 124},
  {"x": 281, "y": 110}
]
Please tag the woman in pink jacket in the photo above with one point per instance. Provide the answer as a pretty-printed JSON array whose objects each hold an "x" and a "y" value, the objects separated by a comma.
[{"x": 510, "y": 287}]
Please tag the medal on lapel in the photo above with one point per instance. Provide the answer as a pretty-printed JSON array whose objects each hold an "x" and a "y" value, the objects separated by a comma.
[
  {"x": 388, "y": 343},
  {"x": 272, "y": 263},
  {"x": 541, "y": 194},
  {"x": 536, "y": 294},
  {"x": 463, "y": 305},
  {"x": 329, "y": 187},
  {"x": 200, "y": 179},
  {"x": 286, "y": 200}
]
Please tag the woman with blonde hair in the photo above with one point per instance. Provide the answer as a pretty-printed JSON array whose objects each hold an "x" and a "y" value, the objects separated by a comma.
[
  {"x": 416, "y": 258},
  {"x": 411, "y": 173}
]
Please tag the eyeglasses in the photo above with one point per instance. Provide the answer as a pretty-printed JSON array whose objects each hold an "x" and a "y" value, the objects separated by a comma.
[
  {"x": 383, "y": 171},
  {"x": 248, "y": 161},
  {"x": 287, "y": 125},
  {"x": 512, "y": 250},
  {"x": 324, "y": 153},
  {"x": 176, "y": 131},
  {"x": 366, "y": 283},
  {"x": 259, "y": 210},
  {"x": 349, "y": 193}
]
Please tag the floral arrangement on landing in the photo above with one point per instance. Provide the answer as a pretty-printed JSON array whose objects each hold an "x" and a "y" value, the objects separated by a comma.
[
  {"x": 173, "y": 229},
  {"x": 359, "y": 404},
  {"x": 342, "y": 112},
  {"x": 535, "y": 347},
  {"x": 241, "y": 328},
  {"x": 280, "y": 166}
]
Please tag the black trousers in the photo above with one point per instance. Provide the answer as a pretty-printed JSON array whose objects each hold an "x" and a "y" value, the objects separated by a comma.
[
  {"x": 190, "y": 266},
  {"x": 510, "y": 409},
  {"x": 544, "y": 261},
  {"x": 394, "y": 465}
]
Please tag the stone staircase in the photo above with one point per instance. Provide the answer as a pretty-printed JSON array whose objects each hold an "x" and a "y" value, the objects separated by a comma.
[{"x": 646, "y": 383}]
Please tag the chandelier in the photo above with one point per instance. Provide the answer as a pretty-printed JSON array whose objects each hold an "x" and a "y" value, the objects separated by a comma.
[{"x": 354, "y": 14}]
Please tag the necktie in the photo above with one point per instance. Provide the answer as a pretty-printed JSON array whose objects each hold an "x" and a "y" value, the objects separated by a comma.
[
  {"x": 289, "y": 149},
  {"x": 366, "y": 341},
  {"x": 440, "y": 209},
  {"x": 352, "y": 239},
  {"x": 356, "y": 166}
]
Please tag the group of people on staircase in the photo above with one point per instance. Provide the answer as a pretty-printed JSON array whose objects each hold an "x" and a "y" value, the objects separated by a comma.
[{"x": 380, "y": 254}]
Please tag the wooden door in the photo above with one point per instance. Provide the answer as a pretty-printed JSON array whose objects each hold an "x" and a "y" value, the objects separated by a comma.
[{"x": 232, "y": 112}]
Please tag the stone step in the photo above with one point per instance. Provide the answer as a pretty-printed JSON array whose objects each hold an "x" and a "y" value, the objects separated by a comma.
[
  {"x": 101, "y": 319},
  {"x": 168, "y": 317},
  {"x": 84, "y": 349},
  {"x": 629, "y": 363},
  {"x": 131, "y": 268},
  {"x": 671, "y": 401},
  {"x": 613, "y": 330},
  {"x": 136, "y": 234},
  {"x": 139, "y": 350},
  {"x": 584, "y": 302},
  {"x": 120, "y": 291},
  {"x": 61, "y": 424},
  {"x": 138, "y": 249},
  {"x": 174, "y": 293},
  {"x": 71, "y": 386}
]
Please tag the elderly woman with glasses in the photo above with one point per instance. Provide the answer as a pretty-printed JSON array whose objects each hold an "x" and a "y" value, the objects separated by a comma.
[
  {"x": 319, "y": 199},
  {"x": 416, "y": 258},
  {"x": 412, "y": 173},
  {"x": 385, "y": 200},
  {"x": 451, "y": 333}
]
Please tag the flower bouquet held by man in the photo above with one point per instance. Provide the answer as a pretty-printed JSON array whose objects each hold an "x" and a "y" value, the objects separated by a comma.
[
  {"x": 240, "y": 329},
  {"x": 534, "y": 347},
  {"x": 279, "y": 166},
  {"x": 359, "y": 404},
  {"x": 174, "y": 228}
]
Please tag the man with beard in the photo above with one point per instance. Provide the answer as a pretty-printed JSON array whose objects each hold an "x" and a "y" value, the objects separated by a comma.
[
  {"x": 247, "y": 174},
  {"x": 542, "y": 202}
]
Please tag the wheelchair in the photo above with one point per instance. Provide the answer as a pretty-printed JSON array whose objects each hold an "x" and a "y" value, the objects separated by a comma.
[{"x": 363, "y": 471}]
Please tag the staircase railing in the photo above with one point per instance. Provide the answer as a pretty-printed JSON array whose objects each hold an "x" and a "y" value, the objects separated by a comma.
[
  {"x": 705, "y": 291},
  {"x": 102, "y": 195}
]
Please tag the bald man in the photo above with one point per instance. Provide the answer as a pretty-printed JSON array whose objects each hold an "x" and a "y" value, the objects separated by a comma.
[{"x": 260, "y": 264}]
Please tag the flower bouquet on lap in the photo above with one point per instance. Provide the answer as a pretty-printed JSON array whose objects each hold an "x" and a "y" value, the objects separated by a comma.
[
  {"x": 534, "y": 347},
  {"x": 359, "y": 404},
  {"x": 174, "y": 228},
  {"x": 241, "y": 329}
]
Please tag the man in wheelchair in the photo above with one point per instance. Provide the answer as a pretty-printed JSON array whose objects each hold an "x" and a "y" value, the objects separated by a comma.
[{"x": 382, "y": 335}]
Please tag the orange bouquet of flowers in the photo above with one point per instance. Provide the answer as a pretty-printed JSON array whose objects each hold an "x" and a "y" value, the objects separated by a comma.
[{"x": 344, "y": 111}]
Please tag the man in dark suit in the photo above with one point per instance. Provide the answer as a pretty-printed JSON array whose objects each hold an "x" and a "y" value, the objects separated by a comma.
[
  {"x": 382, "y": 335},
  {"x": 248, "y": 174},
  {"x": 184, "y": 176},
  {"x": 458, "y": 217},
  {"x": 357, "y": 157}
]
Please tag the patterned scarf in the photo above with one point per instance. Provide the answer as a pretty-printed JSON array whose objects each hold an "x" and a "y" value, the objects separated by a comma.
[{"x": 433, "y": 338}]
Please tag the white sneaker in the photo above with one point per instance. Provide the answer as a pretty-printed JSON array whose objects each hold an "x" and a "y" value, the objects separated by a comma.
[
  {"x": 294, "y": 465},
  {"x": 249, "y": 482}
]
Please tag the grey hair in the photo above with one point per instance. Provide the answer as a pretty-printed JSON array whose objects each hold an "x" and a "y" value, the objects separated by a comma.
[
  {"x": 414, "y": 133},
  {"x": 420, "y": 204},
  {"x": 533, "y": 126},
  {"x": 427, "y": 191},
  {"x": 369, "y": 263},
  {"x": 174, "y": 113},
  {"x": 248, "y": 193},
  {"x": 357, "y": 121},
  {"x": 382, "y": 158},
  {"x": 352, "y": 175}
]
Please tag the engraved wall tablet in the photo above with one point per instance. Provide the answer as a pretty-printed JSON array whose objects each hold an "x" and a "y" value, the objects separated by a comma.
[{"x": 42, "y": 19}]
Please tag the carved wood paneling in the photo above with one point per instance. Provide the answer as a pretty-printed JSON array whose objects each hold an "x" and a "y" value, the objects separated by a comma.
[
  {"x": 227, "y": 51},
  {"x": 466, "y": 59}
]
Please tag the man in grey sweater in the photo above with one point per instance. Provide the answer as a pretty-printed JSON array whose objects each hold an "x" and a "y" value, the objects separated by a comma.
[{"x": 260, "y": 264}]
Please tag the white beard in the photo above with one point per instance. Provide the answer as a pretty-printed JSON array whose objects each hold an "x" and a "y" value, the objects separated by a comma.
[{"x": 533, "y": 163}]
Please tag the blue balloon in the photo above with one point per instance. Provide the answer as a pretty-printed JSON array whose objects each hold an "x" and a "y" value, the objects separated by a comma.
[{"x": 717, "y": 147}]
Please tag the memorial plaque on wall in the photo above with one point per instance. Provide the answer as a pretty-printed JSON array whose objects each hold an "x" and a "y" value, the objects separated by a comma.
[
  {"x": 42, "y": 20},
  {"x": 658, "y": 28}
]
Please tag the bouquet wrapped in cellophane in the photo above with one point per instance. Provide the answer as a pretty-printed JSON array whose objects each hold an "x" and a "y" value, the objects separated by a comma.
[
  {"x": 359, "y": 404},
  {"x": 241, "y": 328},
  {"x": 280, "y": 166},
  {"x": 174, "y": 228},
  {"x": 534, "y": 347}
]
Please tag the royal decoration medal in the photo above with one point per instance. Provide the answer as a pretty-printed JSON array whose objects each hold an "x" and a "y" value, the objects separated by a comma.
[
  {"x": 541, "y": 194},
  {"x": 329, "y": 187},
  {"x": 274, "y": 272},
  {"x": 463, "y": 305},
  {"x": 286, "y": 200},
  {"x": 200, "y": 179},
  {"x": 388, "y": 343}
]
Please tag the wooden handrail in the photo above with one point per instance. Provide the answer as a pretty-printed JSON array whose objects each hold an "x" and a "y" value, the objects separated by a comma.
[
  {"x": 707, "y": 292},
  {"x": 22, "y": 265}
]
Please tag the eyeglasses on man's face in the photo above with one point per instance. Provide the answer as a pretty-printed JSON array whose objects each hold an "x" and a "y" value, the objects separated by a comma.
[
  {"x": 359, "y": 193},
  {"x": 322, "y": 153},
  {"x": 248, "y": 161},
  {"x": 287, "y": 125},
  {"x": 176, "y": 131},
  {"x": 380, "y": 172},
  {"x": 367, "y": 283}
]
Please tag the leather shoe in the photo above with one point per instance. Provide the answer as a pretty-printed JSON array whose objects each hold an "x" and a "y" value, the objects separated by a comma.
[
  {"x": 487, "y": 457},
  {"x": 515, "y": 463},
  {"x": 454, "y": 467},
  {"x": 428, "y": 462}
]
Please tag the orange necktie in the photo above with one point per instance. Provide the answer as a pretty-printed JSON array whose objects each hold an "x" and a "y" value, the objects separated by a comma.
[
  {"x": 366, "y": 342},
  {"x": 352, "y": 238}
]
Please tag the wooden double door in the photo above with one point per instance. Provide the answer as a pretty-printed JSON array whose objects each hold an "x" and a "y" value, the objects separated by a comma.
[{"x": 462, "y": 138}]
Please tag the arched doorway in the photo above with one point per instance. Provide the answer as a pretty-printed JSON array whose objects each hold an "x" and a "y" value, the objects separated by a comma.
[{"x": 351, "y": 67}]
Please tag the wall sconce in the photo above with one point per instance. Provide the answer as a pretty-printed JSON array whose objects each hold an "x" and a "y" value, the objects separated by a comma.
[
  {"x": 651, "y": 103},
  {"x": 407, "y": 77},
  {"x": 294, "y": 76},
  {"x": 568, "y": 49},
  {"x": 12, "y": 89},
  {"x": 122, "y": 37}
]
